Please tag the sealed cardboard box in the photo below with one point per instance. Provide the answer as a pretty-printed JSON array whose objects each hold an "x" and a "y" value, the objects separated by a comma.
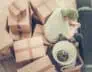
[
  {"x": 41, "y": 65},
  {"x": 25, "y": 23},
  {"x": 22, "y": 23},
  {"x": 22, "y": 50},
  {"x": 14, "y": 29},
  {"x": 29, "y": 48}
]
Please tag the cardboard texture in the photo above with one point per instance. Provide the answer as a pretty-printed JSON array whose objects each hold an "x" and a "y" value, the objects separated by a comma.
[
  {"x": 14, "y": 37},
  {"x": 41, "y": 65},
  {"x": 25, "y": 35},
  {"x": 21, "y": 4},
  {"x": 17, "y": 7},
  {"x": 23, "y": 25},
  {"x": 6, "y": 40},
  {"x": 38, "y": 30},
  {"x": 22, "y": 22},
  {"x": 66, "y": 3},
  {"x": 29, "y": 48},
  {"x": 45, "y": 7}
]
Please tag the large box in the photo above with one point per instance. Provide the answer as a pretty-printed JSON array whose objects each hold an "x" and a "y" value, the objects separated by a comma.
[
  {"x": 40, "y": 65},
  {"x": 29, "y": 48},
  {"x": 22, "y": 26}
]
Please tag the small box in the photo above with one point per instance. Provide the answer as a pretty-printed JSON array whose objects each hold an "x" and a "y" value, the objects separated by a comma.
[
  {"x": 22, "y": 50},
  {"x": 22, "y": 23},
  {"x": 16, "y": 10},
  {"x": 5, "y": 39},
  {"x": 23, "y": 26},
  {"x": 40, "y": 65}
]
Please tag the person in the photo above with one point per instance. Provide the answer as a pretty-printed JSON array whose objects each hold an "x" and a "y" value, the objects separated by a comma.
[{"x": 61, "y": 25}]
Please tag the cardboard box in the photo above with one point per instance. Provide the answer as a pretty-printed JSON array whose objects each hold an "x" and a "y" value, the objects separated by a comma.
[
  {"x": 29, "y": 48},
  {"x": 25, "y": 23},
  {"x": 22, "y": 23},
  {"x": 41, "y": 65}
]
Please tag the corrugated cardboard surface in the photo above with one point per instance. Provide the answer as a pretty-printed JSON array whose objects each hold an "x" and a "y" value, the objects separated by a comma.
[
  {"x": 38, "y": 65},
  {"x": 29, "y": 48}
]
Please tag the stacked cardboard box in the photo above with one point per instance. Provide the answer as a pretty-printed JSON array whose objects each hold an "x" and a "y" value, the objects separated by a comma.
[
  {"x": 29, "y": 48},
  {"x": 41, "y": 65},
  {"x": 19, "y": 20}
]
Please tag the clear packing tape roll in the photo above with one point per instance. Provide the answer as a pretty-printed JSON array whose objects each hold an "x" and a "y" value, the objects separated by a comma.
[{"x": 65, "y": 53}]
